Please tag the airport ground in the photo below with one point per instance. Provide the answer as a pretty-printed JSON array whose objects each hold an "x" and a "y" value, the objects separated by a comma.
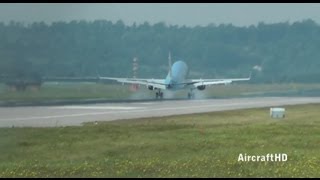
[
  {"x": 76, "y": 115},
  {"x": 196, "y": 145}
]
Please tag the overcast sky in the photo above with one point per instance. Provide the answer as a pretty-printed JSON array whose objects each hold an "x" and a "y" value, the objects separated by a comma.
[{"x": 190, "y": 14}]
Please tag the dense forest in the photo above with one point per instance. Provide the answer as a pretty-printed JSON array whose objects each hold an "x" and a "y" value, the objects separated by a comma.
[{"x": 280, "y": 52}]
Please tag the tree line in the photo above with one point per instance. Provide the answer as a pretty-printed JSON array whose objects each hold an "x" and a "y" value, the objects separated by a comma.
[{"x": 274, "y": 53}]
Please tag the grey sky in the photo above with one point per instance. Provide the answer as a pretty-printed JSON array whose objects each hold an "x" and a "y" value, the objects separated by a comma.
[{"x": 190, "y": 14}]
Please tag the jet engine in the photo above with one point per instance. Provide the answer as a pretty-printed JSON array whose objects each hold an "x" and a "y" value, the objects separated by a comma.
[
  {"x": 151, "y": 88},
  {"x": 202, "y": 87}
]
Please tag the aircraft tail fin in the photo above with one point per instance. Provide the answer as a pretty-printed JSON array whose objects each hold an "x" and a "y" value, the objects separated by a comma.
[{"x": 170, "y": 64}]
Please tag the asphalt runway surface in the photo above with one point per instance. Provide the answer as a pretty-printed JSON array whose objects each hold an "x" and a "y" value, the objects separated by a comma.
[{"x": 75, "y": 115}]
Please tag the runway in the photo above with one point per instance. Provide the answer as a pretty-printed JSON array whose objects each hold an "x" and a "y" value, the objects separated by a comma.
[{"x": 75, "y": 115}]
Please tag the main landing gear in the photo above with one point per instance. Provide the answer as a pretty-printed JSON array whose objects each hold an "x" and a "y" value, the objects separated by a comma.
[
  {"x": 191, "y": 94},
  {"x": 159, "y": 95}
]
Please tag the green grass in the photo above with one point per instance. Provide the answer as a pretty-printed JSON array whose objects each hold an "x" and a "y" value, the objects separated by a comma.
[
  {"x": 256, "y": 89},
  {"x": 51, "y": 91},
  {"x": 69, "y": 91},
  {"x": 198, "y": 145}
]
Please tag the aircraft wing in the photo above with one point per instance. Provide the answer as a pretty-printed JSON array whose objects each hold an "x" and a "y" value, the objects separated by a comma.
[
  {"x": 157, "y": 83},
  {"x": 208, "y": 82},
  {"x": 72, "y": 79}
]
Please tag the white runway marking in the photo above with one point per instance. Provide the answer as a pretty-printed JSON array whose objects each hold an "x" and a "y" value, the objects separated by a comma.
[
  {"x": 97, "y": 107},
  {"x": 147, "y": 103}
]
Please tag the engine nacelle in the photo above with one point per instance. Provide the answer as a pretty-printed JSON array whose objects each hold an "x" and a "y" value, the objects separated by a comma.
[
  {"x": 202, "y": 87},
  {"x": 151, "y": 88}
]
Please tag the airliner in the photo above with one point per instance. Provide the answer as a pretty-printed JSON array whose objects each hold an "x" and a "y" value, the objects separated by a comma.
[{"x": 175, "y": 80}]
